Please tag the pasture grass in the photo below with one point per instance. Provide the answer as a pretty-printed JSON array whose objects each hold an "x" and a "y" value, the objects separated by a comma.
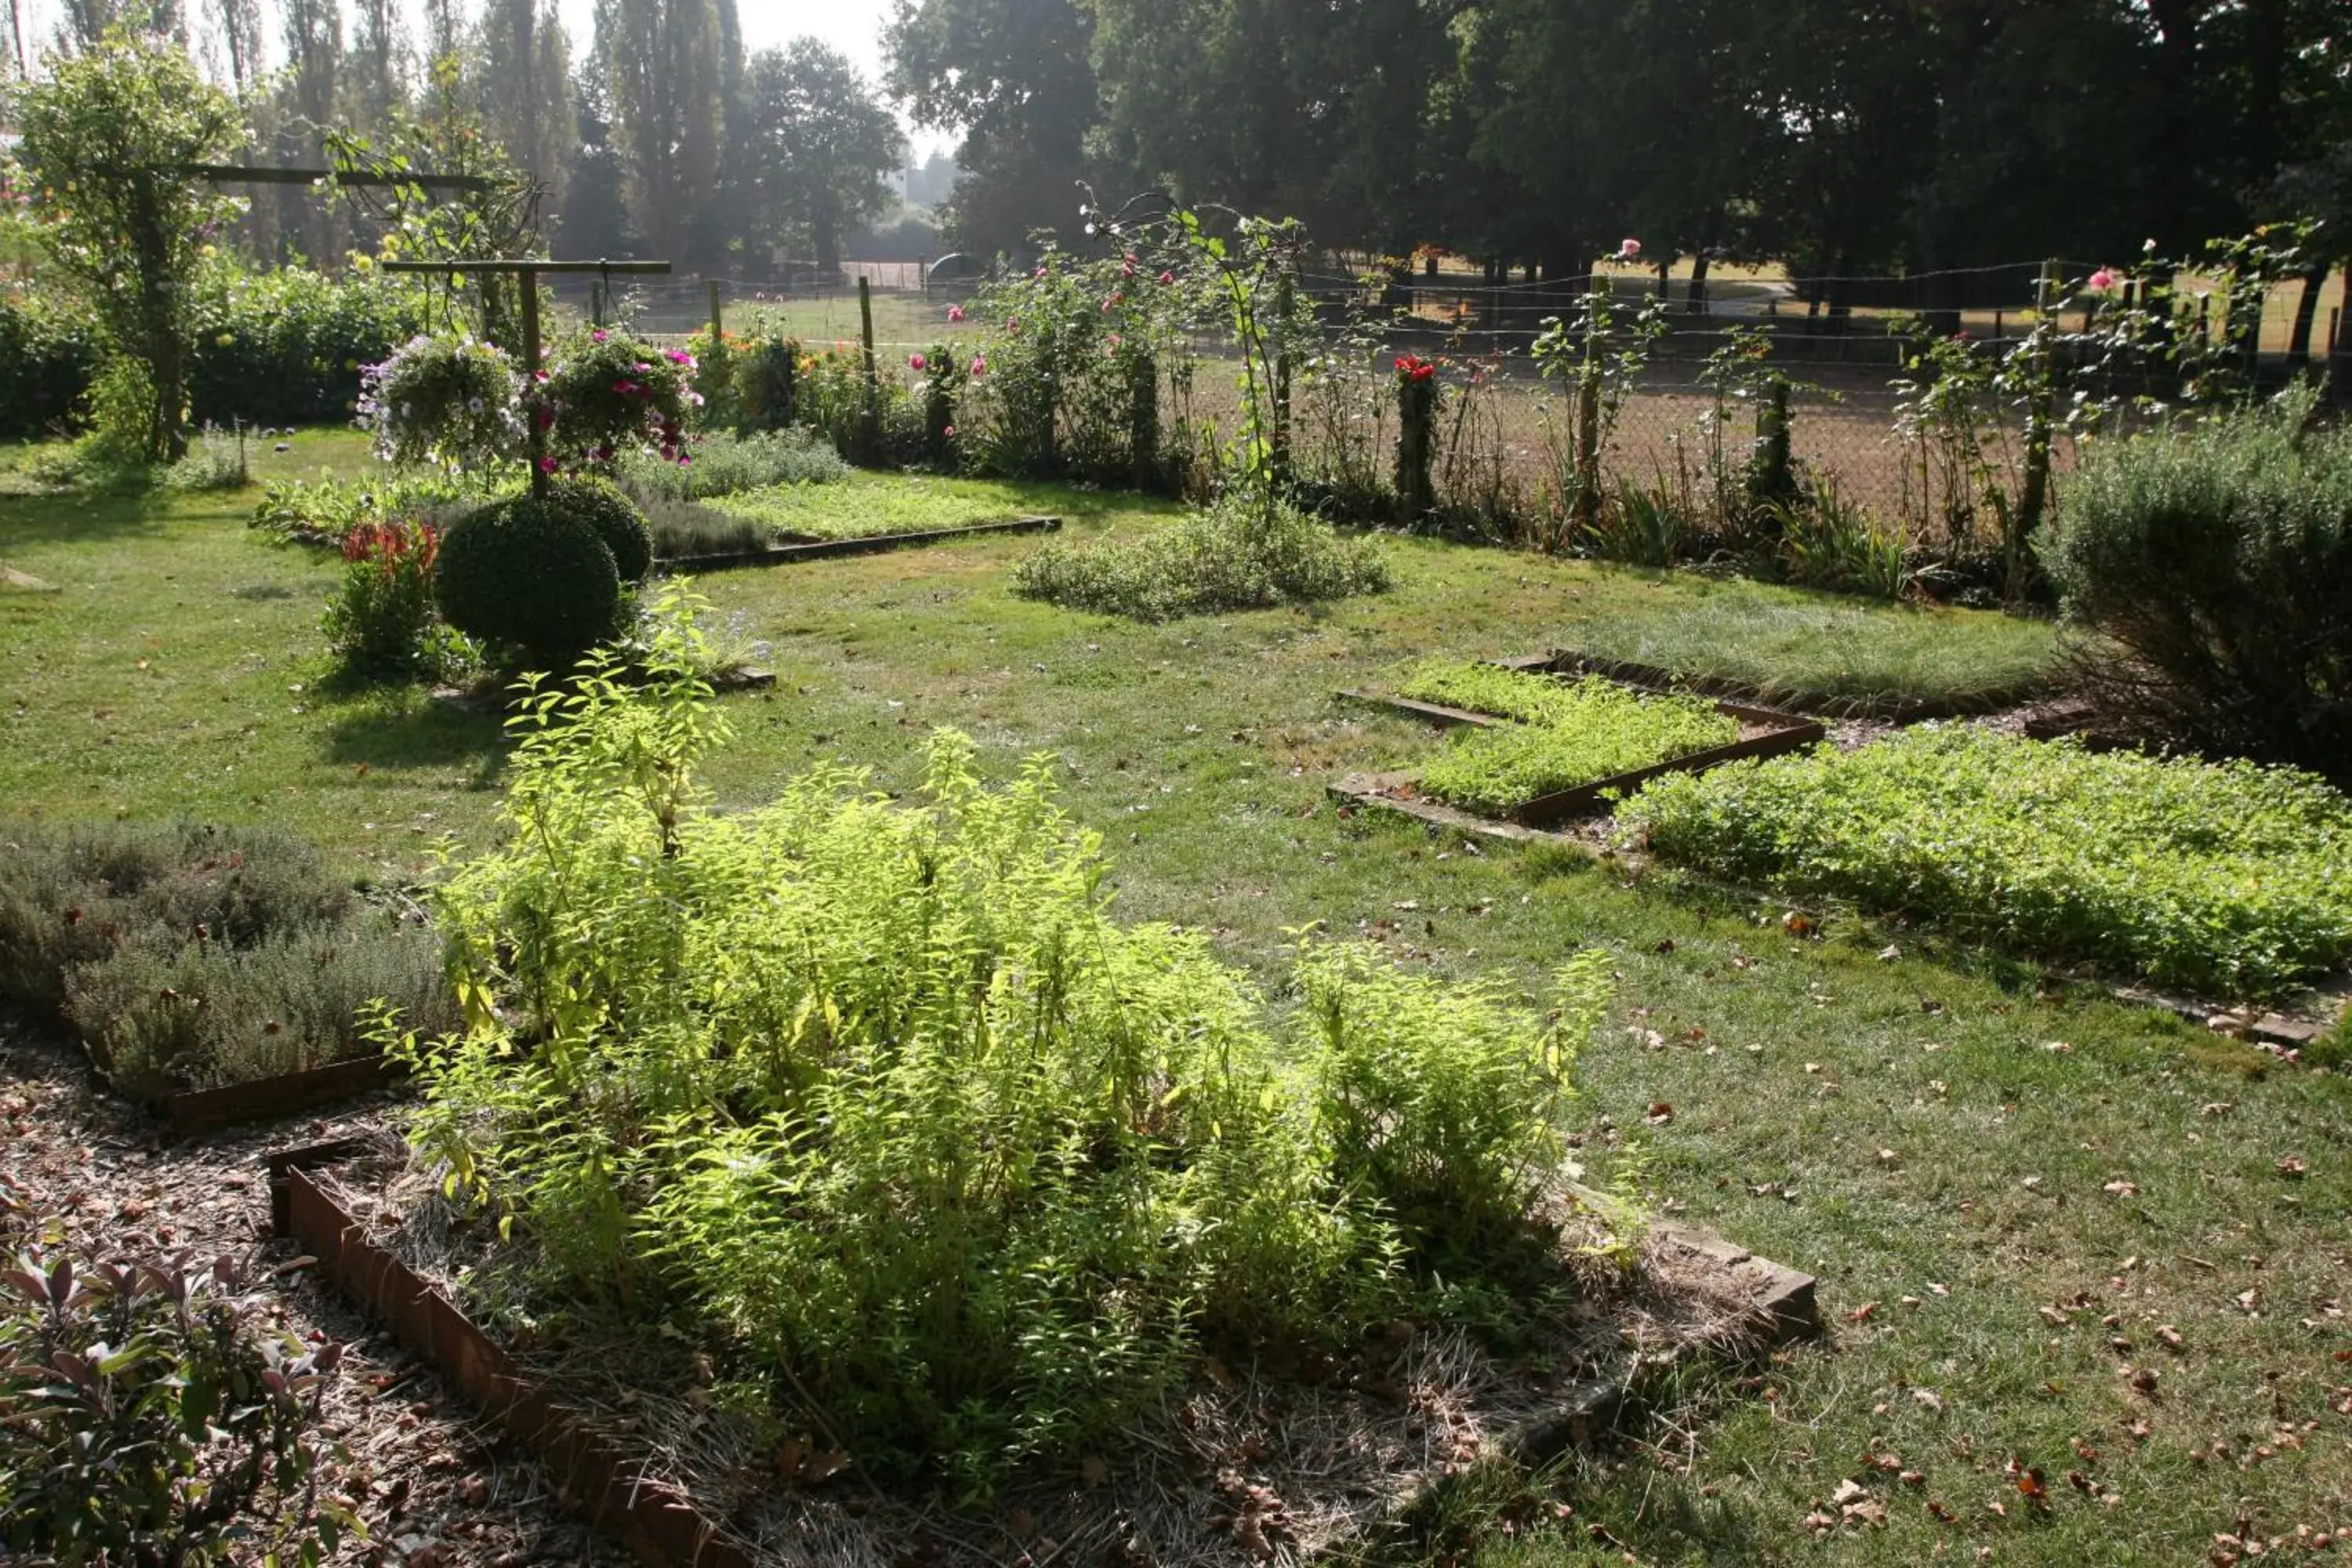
[{"x": 1951, "y": 1142}]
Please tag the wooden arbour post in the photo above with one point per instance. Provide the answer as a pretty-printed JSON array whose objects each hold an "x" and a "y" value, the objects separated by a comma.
[{"x": 527, "y": 272}]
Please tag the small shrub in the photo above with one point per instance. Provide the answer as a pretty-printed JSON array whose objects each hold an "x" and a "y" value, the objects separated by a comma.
[
  {"x": 2226, "y": 878},
  {"x": 615, "y": 519},
  {"x": 2218, "y": 558},
  {"x": 1828, "y": 540},
  {"x": 154, "y": 1416},
  {"x": 1595, "y": 730},
  {"x": 326, "y": 511},
  {"x": 214, "y": 462},
  {"x": 529, "y": 580},
  {"x": 163, "y": 1012},
  {"x": 767, "y": 379},
  {"x": 1233, "y": 556},
  {"x": 878, "y": 1098},
  {"x": 70, "y": 896},
  {"x": 51, "y": 350},
  {"x": 723, "y": 464},
  {"x": 379, "y": 624}
]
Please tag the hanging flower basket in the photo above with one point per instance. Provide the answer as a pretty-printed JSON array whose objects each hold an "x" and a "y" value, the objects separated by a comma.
[
  {"x": 608, "y": 392},
  {"x": 451, "y": 400}
]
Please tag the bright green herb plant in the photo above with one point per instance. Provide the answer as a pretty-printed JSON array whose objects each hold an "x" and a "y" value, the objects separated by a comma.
[
  {"x": 2228, "y": 878},
  {"x": 1566, "y": 734},
  {"x": 875, "y": 1096}
]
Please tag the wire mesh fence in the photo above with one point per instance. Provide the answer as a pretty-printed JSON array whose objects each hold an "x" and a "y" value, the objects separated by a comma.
[{"x": 1502, "y": 449}]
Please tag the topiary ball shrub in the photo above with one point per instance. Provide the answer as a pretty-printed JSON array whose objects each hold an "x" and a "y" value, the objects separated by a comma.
[
  {"x": 619, "y": 521},
  {"x": 530, "y": 579}
]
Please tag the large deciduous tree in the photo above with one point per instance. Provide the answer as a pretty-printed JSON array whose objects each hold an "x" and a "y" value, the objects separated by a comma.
[
  {"x": 1016, "y": 79},
  {"x": 109, "y": 139},
  {"x": 666, "y": 73},
  {"x": 819, "y": 143}
]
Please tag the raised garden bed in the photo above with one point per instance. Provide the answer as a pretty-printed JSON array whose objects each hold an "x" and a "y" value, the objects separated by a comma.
[
  {"x": 267, "y": 1098},
  {"x": 805, "y": 548},
  {"x": 1886, "y": 708},
  {"x": 1762, "y": 732},
  {"x": 1242, "y": 1464}
]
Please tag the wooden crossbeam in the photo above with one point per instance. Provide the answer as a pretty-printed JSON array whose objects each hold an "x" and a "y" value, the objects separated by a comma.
[
  {"x": 525, "y": 265},
  {"x": 527, "y": 270},
  {"x": 242, "y": 174}
]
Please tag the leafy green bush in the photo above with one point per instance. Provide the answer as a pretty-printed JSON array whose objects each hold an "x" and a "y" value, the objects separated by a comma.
[
  {"x": 379, "y": 624},
  {"x": 530, "y": 579},
  {"x": 215, "y": 461},
  {"x": 2230, "y": 879},
  {"x": 2219, "y": 556},
  {"x": 1233, "y": 556},
  {"x": 927, "y": 1144},
  {"x": 329, "y": 511},
  {"x": 722, "y": 464},
  {"x": 615, "y": 519},
  {"x": 285, "y": 345},
  {"x": 154, "y": 1416},
  {"x": 1593, "y": 730},
  {"x": 52, "y": 352}
]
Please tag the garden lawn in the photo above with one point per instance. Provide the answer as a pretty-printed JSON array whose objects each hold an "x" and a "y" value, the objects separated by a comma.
[{"x": 1979, "y": 1173}]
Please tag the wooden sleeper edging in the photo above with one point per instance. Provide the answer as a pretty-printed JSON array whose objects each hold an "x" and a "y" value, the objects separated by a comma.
[
  {"x": 779, "y": 555},
  {"x": 664, "y": 1529}
]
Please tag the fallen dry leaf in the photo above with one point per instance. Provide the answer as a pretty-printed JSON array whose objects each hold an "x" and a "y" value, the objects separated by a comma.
[
  {"x": 2293, "y": 1167},
  {"x": 1930, "y": 1398},
  {"x": 1862, "y": 1314},
  {"x": 1661, "y": 1113}
]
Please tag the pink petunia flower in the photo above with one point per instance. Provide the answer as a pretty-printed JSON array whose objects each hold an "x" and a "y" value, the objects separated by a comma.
[
  {"x": 597, "y": 336},
  {"x": 917, "y": 363},
  {"x": 547, "y": 464},
  {"x": 955, "y": 313},
  {"x": 979, "y": 365},
  {"x": 949, "y": 432},
  {"x": 1167, "y": 278}
]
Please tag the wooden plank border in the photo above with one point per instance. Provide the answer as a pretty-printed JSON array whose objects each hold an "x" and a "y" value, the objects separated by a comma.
[
  {"x": 664, "y": 1529},
  {"x": 827, "y": 549},
  {"x": 259, "y": 1099}
]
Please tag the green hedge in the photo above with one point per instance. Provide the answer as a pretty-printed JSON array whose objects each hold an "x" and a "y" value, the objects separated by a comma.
[{"x": 270, "y": 348}]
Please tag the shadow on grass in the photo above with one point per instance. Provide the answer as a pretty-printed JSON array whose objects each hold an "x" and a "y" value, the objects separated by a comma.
[
  {"x": 82, "y": 517},
  {"x": 405, "y": 728}
]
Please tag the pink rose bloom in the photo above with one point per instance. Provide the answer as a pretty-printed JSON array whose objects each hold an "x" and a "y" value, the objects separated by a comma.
[
  {"x": 979, "y": 365},
  {"x": 949, "y": 432},
  {"x": 1039, "y": 273},
  {"x": 1629, "y": 249},
  {"x": 916, "y": 361},
  {"x": 2106, "y": 278},
  {"x": 547, "y": 464},
  {"x": 1167, "y": 278},
  {"x": 955, "y": 313}
]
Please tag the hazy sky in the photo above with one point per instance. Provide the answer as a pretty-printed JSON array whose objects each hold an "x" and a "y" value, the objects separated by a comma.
[{"x": 853, "y": 27}]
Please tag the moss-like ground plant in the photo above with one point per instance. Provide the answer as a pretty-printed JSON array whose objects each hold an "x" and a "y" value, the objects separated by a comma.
[
  {"x": 949, "y": 1162},
  {"x": 1567, "y": 735},
  {"x": 2230, "y": 879}
]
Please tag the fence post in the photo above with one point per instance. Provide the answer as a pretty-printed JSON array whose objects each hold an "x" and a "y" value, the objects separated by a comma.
[
  {"x": 870, "y": 426},
  {"x": 1285, "y": 302},
  {"x": 2033, "y": 493},
  {"x": 1143, "y": 422},
  {"x": 715, "y": 323},
  {"x": 1585, "y": 509}
]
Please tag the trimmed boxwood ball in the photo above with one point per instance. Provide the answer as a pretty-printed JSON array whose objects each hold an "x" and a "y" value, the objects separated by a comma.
[
  {"x": 619, "y": 521},
  {"x": 529, "y": 577}
]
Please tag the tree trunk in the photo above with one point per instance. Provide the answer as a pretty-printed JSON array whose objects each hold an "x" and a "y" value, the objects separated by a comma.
[
  {"x": 1696, "y": 303},
  {"x": 2339, "y": 357},
  {"x": 825, "y": 238},
  {"x": 2306, "y": 310}
]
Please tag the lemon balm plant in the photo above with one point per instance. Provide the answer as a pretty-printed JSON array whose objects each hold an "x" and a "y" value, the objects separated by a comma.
[{"x": 877, "y": 1095}]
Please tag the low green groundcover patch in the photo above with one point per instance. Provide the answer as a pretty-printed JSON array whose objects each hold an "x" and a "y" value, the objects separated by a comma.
[
  {"x": 863, "y": 507},
  {"x": 2230, "y": 879},
  {"x": 1567, "y": 735},
  {"x": 932, "y": 1151}
]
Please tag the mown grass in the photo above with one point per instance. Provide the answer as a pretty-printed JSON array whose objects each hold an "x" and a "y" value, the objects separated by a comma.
[{"x": 1931, "y": 1126}]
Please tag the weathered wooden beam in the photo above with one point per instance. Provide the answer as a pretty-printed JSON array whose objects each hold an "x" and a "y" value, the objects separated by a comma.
[{"x": 524, "y": 266}]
